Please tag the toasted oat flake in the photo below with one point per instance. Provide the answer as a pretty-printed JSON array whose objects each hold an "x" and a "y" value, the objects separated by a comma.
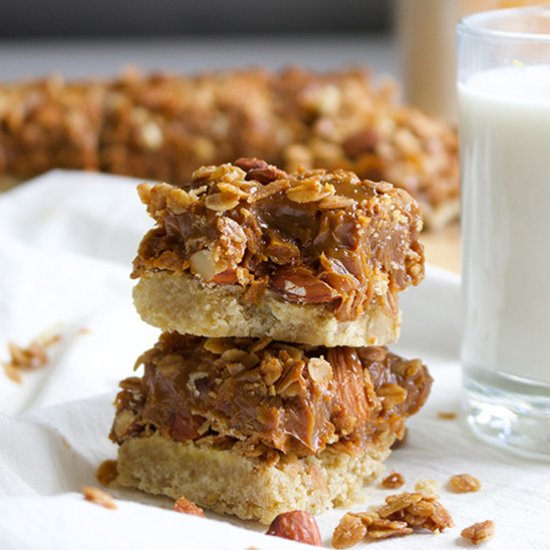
[
  {"x": 349, "y": 532},
  {"x": 446, "y": 415},
  {"x": 99, "y": 497},
  {"x": 384, "y": 529},
  {"x": 479, "y": 532},
  {"x": 464, "y": 483},
  {"x": 393, "y": 394},
  {"x": 393, "y": 481}
]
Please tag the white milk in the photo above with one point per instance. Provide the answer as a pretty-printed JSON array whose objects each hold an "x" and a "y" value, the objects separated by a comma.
[{"x": 505, "y": 140}]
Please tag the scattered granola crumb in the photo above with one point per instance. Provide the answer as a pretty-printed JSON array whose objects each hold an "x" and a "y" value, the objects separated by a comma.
[
  {"x": 427, "y": 486},
  {"x": 418, "y": 510},
  {"x": 99, "y": 497},
  {"x": 446, "y": 415},
  {"x": 385, "y": 528},
  {"x": 479, "y": 532},
  {"x": 401, "y": 515},
  {"x": 84, "y": 330},
  {"x": 464, "y": 483},
  {"x": 350, "y": 531},
  {"x": 184, "y": 506},
  {"x": 28, "y": 358},
  {"x": 393, "y": 481},
  {"x": 354, "y": 527},
  {"x": 107, "y": 472}
]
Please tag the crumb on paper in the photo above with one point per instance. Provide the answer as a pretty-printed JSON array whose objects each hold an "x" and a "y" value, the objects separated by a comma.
[
  {"x": 185, "y": 506},
  {"x": 479, "y": 532},
  {"x": 99, "y": 497},
  {"x": 446, "y": 415},
  {"x": 350, "y": 531},
  {"x": 84, "y": 330},
  {"x": 107, "y": 472},
  {"x": 427, "y": 486},
  {"x": 29, "y": 358},
  {"x": 464, "y": 483},
  {"x": 402, "y": 514},
  {"x": 393, "y": 481}
]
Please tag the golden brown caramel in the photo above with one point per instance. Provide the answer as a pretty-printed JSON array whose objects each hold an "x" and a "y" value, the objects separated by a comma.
[
  {"x": 291, "y": 398},
  {"x": 311, "y": 236}
]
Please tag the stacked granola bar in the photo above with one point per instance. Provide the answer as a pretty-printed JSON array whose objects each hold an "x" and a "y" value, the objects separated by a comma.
[
  {"x": 270, "y": 389},
  {"x": 162, "y": 127}
]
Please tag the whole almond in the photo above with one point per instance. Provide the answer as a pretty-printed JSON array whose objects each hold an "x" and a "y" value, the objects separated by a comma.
[
  {"x": 298, "y": 284},
  {"x": 298, "y": 526}
]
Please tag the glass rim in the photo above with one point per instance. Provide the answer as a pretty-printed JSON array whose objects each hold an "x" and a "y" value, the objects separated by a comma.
[{"x": 472, "y": 24}]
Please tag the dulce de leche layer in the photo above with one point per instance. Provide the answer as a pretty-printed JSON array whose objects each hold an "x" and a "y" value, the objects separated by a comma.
[
  {"x": 312, "y": 236},
  {"x": 264, "y": 396}
]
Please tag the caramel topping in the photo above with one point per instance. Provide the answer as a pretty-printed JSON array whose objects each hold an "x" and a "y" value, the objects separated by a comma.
[
  {"x": 291, "y": 398},
  {"x": 315, "y": 236}
]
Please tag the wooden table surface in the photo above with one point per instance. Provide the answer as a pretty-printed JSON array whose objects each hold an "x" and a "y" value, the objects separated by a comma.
[{"x": 443, "y": 248}]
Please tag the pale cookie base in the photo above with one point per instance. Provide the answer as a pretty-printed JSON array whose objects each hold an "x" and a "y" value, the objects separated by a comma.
[
  {"x": 227, "y": 482},
  {"x": 180, "y": 302}
]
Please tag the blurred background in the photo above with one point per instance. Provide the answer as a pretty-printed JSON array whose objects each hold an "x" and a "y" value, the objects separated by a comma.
[
  {"x": 98, "y": 37},
  {"x": 101, "y": 18},
  {"x": 412, "y": 41}
]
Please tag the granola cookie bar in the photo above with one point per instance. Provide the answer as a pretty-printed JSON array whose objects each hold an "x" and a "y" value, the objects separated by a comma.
[
  {"x": 162, "y": 126},
  {"x": 313, "y": 256},
  {"x": 49, "y": 123},
  {"x": 293, "y": 419}
]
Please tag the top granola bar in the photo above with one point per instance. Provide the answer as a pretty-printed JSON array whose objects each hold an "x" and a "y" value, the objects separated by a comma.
[{"x": 310, "y": 237}]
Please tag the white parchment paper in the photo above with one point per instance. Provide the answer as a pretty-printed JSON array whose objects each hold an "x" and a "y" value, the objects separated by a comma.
[{"x": 67, "y": 240}]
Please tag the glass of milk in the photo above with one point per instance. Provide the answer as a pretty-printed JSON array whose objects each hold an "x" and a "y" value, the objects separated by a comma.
[{"x": 504, "y": 101}]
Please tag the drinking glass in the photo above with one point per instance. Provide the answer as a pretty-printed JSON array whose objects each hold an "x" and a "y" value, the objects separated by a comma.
[{"x": 504, "y": 122}]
